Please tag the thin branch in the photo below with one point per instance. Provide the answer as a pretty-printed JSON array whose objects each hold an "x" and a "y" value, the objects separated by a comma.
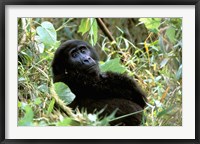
[{"x": 106, "y": 31}]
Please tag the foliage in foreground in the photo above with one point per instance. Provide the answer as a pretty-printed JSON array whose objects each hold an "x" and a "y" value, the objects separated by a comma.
[{"x": 155, "y": 62}]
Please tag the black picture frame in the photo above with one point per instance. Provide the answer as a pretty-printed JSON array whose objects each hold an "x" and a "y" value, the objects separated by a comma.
[{"x": 4, "y": 3}]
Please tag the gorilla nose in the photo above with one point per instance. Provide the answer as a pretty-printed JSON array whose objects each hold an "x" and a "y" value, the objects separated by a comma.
[{"x": 87, "y": 60}]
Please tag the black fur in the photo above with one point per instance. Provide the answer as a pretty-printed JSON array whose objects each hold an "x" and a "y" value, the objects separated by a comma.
[{"x": 96, "y": 90}]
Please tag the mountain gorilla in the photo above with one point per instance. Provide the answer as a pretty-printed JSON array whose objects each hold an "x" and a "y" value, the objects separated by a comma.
[{"x": 76, "y": 64}]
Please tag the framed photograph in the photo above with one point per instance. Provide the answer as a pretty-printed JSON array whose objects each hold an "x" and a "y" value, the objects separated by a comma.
[{"x": 99, "y": 71}]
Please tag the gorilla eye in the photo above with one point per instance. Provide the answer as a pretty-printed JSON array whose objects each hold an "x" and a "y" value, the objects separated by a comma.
[
  {"x": 82, "y": 49},
  {"x": 74, "y": 54}
]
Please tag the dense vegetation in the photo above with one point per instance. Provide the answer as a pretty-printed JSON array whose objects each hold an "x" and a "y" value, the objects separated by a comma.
[{"x": 147, "y": 49}]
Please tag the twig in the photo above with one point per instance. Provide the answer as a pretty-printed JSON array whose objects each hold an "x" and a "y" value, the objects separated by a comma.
[{"x": 106, "y": 32}]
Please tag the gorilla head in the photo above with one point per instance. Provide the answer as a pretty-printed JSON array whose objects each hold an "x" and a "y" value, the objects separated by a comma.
[{"x": 75, "y": 56}]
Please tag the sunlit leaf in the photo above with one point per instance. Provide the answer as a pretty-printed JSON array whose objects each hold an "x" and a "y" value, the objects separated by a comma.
[
  {"x": 28, "y": 117},
  {"x": 151, "y": 24},
  {"x": 89, "y": 25},
  {"x": 51, "y": 105},
  {"x": 94, "y": 31},
  {"x": 84, "y": 26},
  {"x": 19, "y": 104},
  {"x": 47, "y": 33}
]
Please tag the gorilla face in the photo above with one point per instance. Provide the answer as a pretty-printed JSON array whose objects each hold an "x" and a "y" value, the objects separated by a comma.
[
  {"x": 75, "y": 56},
  {"x": 80, "y": 58}
]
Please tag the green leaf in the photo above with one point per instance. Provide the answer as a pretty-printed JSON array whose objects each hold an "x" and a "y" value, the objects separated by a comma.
[
  {"x": 19, "y": 104},
  {"x": 89, "y": 25},
  {"x": 113, "y": 65},
  {"x": 151, "y": 24},
  {"x": 171, "y": 34},
  {"x": 84, "y": 26},
  {"x": 93, "y": 32},
  {"x": 37, "y": 101},
  {"x": 51, "y": 105},
  {"x": 64, "y": 92},
  {"x": 68, "y": 122},
  {"x": 47, "y": 33},
  {"x": 28, "y": 117}
]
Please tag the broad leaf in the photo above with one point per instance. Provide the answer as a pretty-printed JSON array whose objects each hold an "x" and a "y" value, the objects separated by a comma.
[
  {"x": 151, "y": 24},
  {"x": 64, "y": 92},
  {"x": 171, "y": 34},
  {"x": 28, "y": 117},
  {"x": 113, "y": 65},
  {"x": 89, "y": 25},
  {"x": 47, "y": 34},
  {"x": 84, "y": 26}
]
